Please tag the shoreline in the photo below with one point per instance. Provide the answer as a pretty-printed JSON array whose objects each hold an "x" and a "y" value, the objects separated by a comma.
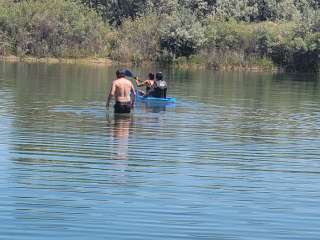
[
  {"x": 106, "y": 62},
  {"x": 51, "y": 60},
  {"x": 231, "y": 68}
]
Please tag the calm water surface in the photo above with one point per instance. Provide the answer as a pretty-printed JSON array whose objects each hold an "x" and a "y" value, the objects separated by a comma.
[{"x": 237, "y": 157}]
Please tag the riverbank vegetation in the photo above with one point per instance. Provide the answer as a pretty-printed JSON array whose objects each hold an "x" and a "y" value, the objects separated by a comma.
[
  {"x": 51, "y": 28},
  {"x": 263, "y": 34}
]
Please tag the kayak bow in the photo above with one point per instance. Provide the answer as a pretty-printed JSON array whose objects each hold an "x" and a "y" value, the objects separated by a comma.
[{"x": 154, "y": 99}]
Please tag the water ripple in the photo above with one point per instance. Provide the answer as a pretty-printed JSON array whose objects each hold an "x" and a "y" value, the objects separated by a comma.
[{"x": 225, "y": 162}]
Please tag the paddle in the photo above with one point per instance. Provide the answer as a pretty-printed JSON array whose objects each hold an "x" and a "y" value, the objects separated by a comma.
[{"x": 126, "y": 72}]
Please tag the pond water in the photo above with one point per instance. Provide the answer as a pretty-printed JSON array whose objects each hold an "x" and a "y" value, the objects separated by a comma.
[{"x": 237, "y": 157}]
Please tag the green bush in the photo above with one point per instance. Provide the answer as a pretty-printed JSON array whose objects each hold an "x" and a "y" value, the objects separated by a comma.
[
  {"x": 298, "y": 50},
  {"x": 243, "y": 10},
  {"x": 137, "y": 40},
  {"x": 5, "y": 44},
  {"x": 181, "y": 34},
  {"x": 228, "y": 35},
  {"x": 157, "y": 37},
  {"x": 205, "y": 32},
  {"x": 52, "y": 28},
  {"x": 242, "y": 43}
]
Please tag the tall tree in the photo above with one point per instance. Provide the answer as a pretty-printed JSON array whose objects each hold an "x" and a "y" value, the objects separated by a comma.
[{"x": 115, "y": 11}]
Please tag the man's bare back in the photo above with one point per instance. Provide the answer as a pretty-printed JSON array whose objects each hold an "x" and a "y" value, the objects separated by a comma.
[{"x": 121, "y": 89}]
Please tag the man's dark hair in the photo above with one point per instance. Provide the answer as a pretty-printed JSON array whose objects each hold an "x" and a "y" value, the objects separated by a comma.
[
  {"x": 159, "y": 75},
  {"x": 151, "y": 76},
  {"x": 119, "y": 73}
]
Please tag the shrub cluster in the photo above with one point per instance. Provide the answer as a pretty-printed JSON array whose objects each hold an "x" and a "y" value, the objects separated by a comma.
[
  {"x": 284, "y": 33},
  {"x": 51, "y": 28},
  {"x": 157, "y": 37},
  {"x": 289, "y": 45}
]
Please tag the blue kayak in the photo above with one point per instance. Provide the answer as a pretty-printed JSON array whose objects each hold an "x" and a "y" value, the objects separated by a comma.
[{"x": 155, "y": 99}]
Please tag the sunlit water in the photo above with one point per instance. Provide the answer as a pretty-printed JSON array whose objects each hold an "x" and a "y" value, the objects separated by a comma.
[{"x": 237, "y": 157}]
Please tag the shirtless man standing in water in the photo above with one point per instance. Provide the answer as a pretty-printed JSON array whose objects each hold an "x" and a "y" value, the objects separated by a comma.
[{"x": 121, "y": 89}]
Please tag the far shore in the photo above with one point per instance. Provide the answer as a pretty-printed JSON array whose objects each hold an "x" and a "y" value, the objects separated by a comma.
[
  {"x": 95, "y": 61},
  {"x": 51, "y": 60}
]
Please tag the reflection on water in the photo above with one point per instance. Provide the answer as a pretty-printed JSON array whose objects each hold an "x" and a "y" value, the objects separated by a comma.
[
  {"x": 237, "y": 157},
  {"x": 153, "y": 107},
  {"x": 120, "y": 133}
]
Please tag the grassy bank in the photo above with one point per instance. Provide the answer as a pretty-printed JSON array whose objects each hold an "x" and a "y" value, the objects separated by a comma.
[
  {"x": 51, "y": 28},
  {"x": 52, "y": 60},
  {"x": 218, "y": 44},
  {"x": 179, "y": 63},
  {"x": 185, "y": 35},
  {"x": 200, "y": 62}
]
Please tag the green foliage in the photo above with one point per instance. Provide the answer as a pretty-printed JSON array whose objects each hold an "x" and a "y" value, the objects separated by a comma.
[
  {"x": 5, "y": 44},
  {"x": 274, "y": 10},
  {"x": 243, "y": 10},
  {"x": 222, "y": 31},
  {"x": 227, "y": 35},
  {"x": 52, "y": 28},
  {"x": 161, "y": 7},
  {"x": 260, "y": 10},
  {"x": 299, "y": 50},
  {"x": 201, "y": 8},
  {"x": 181, "y": 35},
  {"x": 158, "y": 37},
  {"x": 137, "y": 40},
  {"x": 242, "y": 43},
  {"x": 116, "y": 11}
]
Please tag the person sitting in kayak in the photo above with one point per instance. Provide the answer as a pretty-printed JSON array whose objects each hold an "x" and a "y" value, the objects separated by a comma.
[
  {"x": 160, "y": 88},
  {"x": 123, "y": 91},
  {"x": 149, "y": 84}
]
